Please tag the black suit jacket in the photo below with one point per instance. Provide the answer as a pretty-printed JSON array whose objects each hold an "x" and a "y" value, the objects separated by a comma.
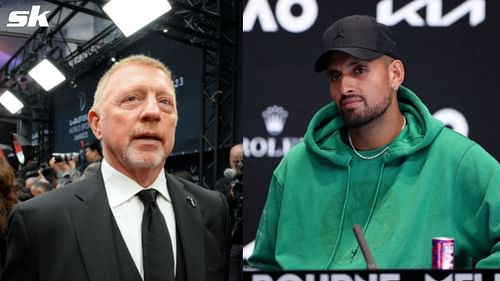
[{"x": 67, "y": 234}]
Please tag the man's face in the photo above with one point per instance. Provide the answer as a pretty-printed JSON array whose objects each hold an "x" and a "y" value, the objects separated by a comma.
[
  {"x": 91, "y": 155},
  {"x": 361, "y": 89},
  {"x": 29, "y": 182},
  {"x": 137, "y": 119},
  {"x": 236, "y": 158}
]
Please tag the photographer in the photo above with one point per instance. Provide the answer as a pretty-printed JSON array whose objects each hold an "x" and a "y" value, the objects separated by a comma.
[
  {"x": 223, "y": 185},
  {"x": 64, "y": 165},
  {"x": 93, "y": 152},
  {"x": 231, "y": 185},
  {"x": 93, "y": 157},
  {"x": 33, "y": 174}
]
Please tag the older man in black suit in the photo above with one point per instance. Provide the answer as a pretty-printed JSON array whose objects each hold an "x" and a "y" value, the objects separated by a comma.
[{"x": 130, "y": 221}]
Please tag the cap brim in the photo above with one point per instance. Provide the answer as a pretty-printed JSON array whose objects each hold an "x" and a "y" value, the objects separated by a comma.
[{"x": 363, "y": 54}]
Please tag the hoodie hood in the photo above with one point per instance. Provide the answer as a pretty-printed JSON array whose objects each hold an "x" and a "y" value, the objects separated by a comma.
[
  {"x": 418, "y": 188},
  {"x": 323, "y": 132}
]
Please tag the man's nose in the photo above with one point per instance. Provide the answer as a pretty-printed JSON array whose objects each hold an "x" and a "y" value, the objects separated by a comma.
[
  {"x": 346, "y": 84},
  {"x": 151, "y": 110}
]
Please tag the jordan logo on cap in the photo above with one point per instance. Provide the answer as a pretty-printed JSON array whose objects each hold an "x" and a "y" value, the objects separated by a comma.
[{"x": 340, "y": 34}]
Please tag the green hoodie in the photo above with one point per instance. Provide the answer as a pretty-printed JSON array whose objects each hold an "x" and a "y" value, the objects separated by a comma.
[{"x": 431, "y": 182}]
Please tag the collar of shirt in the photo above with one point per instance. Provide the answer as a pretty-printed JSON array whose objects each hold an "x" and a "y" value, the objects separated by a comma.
[{"x": 121, "y": 188}]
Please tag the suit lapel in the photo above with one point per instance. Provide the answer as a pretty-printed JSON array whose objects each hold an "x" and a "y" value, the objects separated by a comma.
[
  {"x": 92, "y": 222},
  {"x": 189, "y": 229}
]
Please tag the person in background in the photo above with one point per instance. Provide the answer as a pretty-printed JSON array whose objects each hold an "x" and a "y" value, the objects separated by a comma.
[
  {"x": 231, "y": 185},
  {"x": 93, "y": 156},
  {"x": 8, "y": 199},
  {"x": 376, "y": 157},
  {"x": 93, "y": 152},
  {"x": 131, "y": 220},
  {"x": 29, "y": 181},
  {"x": 40, "y": 187},
  {"x": 223, "y": 185},
  {"x": 65, "y": 170}
]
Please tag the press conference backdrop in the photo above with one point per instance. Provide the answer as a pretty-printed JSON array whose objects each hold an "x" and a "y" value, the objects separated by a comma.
[
  {"x": 449, "y": 50},
  {"x": 73, "y": 103}
]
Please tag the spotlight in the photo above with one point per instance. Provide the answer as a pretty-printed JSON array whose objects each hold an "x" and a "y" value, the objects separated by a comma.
[
  {"x": 132, "y": 15},
  {"x": 10, "y": 102},
  {"x": 47, "y": 75}
]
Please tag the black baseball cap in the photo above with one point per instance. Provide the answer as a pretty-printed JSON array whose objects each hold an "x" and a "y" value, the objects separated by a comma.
[{"x": 359, "y": 36}]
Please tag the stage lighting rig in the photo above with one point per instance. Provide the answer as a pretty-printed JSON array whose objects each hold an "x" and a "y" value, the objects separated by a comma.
[
  {"x": 11, "y": 102},
  {"x": 132, "y": 15},
  {"x": 47, "y": 75}
]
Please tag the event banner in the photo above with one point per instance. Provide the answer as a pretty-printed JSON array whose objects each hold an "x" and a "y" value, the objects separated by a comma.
[{"x": 378, "y": 275}]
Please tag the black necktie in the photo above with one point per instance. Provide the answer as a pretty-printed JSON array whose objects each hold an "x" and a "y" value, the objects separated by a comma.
[{"x": 157, "y": 254}]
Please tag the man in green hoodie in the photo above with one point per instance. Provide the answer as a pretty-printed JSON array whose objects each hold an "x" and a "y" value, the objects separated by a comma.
[{"x": 376, "y": 157}]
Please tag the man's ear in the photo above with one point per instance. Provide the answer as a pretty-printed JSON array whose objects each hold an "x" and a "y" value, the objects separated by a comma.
[
  {"x": 95, "y": 124},
  {"x": 396, "y": 73}
]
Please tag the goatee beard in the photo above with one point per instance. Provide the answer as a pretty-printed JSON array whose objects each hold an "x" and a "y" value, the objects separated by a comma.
[{"x": 367, "y": 115}]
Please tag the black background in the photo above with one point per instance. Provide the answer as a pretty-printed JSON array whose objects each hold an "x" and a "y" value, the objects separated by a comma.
[{"x": 448, "y": 67}]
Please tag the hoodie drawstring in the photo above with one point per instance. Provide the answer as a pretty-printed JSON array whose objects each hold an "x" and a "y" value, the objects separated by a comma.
[
  {"x": 344, "y": 207},
  {"x": 372, "y": 209},
  {"x": 375, "y": 198},
  {"x": 342, "y": 216}
]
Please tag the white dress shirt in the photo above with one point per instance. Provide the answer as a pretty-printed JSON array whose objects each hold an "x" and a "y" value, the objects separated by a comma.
[{"x": 128, "y": 208}]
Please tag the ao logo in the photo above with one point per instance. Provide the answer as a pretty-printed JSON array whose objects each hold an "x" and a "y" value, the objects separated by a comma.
[
  {"x": 434, "y": 13},
  {"x": 260, "y": 10}
]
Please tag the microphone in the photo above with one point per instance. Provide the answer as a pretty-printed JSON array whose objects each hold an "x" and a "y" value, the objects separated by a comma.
[
  {"x": 230, "y": 173},
  {"x": 367, "y": 255}
]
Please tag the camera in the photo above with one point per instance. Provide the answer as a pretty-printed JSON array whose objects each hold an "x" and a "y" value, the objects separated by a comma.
[
  {"x": 237, "y": 188},
  {"x": 236, "y": 206},
  {"x": 65, "y": 157},
  {"x": 44, "y": 169}
]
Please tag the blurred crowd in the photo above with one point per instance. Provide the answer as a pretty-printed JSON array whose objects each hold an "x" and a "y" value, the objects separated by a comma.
[
  {"x": 61, "y": 169},
  {"x": 64, "y": 168}
]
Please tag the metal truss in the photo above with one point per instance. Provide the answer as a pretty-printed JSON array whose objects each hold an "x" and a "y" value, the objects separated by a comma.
[
  {"x": 211, "y": 25},
  {"x": 220, "y": 77}
]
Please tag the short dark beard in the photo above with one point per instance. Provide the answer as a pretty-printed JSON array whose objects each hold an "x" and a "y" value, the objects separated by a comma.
[{"x": 367, "y": 115}]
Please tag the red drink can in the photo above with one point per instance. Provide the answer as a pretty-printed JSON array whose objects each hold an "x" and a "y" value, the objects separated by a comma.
[{"x": 443, "y": 252}]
